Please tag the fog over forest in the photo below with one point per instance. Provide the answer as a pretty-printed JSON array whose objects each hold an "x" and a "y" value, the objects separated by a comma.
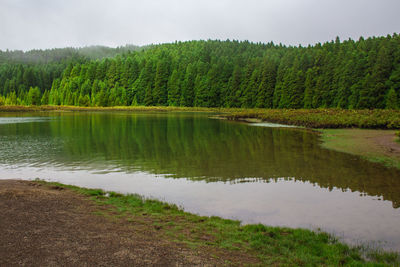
[{"x": 49, "y": 24}]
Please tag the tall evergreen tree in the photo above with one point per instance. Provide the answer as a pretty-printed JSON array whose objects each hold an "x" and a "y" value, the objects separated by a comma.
[
  {"x": 392, "y": 101},
  {"x": 160, "y": 93},
  {"x": 174, "y": 89}
]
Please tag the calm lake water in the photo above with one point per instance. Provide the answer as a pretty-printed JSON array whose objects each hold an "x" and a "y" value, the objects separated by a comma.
[{"x": 275, "y": 176}]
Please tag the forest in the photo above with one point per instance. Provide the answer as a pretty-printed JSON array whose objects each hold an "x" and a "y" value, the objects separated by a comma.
[{"x": 362, "y": 74}]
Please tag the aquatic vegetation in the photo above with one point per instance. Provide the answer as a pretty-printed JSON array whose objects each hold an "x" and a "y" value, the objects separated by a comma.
[{"x": 323, "y": 118}]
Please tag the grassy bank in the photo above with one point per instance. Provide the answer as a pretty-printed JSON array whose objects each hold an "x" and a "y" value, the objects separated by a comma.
[
  {"x": 322, "y": 118},
  {"x": 364, "y": 133},
  {"x": 271, "y": 245},
  {"x": 379, "y": 146}
]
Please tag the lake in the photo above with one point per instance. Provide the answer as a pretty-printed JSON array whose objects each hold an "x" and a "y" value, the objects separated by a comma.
[{"x": 275, "y": 176}]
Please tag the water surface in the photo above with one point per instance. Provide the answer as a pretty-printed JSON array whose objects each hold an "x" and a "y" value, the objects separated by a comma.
[{"x": 276, "y": 176}]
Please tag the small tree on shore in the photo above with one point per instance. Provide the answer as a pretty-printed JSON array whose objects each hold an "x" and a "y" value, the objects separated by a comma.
[{"x": 34, "y": 96}]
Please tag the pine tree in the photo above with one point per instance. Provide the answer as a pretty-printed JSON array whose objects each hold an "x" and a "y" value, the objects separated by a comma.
[
  {"x": 148, "y": 99},
  {"x": 202, "y": 89},
  {"x": 266, "y": 88},
  {"x": 214, "y": 86},
  {"x": 249, "y": 95},
  {"x": 392, "y": 100},
  {"x": 45, "y": 98},
  {"x": 309, "y": 85},
  {"x": 297, "y": 91},
  {"x": 174, "y": 89},
  {"x": 101, "y": 96},
  {"x": 34, "y": 96},
  {"x": 234, "y": 93},
  {"x": 160, "y": 94},
  {"x": 187, "y": 96}
]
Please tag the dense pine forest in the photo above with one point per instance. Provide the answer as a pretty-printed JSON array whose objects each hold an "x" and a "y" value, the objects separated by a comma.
[{"x": 361, "y": 74}]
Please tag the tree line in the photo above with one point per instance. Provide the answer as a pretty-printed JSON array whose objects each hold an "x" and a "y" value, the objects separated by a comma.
[{"x": 350, "y": 74}]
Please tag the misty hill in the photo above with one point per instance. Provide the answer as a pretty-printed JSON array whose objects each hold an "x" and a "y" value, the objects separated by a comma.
[
  {"x": 63, "y": 54},
  {"x": 350, "y": 74},
  {"x": 99, "y": 52}
]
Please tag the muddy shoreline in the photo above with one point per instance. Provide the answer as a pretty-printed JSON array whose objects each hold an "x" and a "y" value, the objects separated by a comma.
[{"x": 52, "y": 226}]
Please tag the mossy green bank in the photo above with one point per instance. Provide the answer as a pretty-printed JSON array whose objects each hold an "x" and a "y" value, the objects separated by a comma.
[
  {"x": 380, "y": 146},
  {"x": 322, "y": 118}
]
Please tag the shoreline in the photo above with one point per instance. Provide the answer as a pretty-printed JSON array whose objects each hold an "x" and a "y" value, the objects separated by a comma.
[
  {"x": 379, "y": 146},
  {"x": 228, "y": 241},
  {"x": 95, "y": 109},
  {"x": 336, "y": 139},
  {"x": 376, "y": 145},
  {"x": 339, "y": 129},
  {"x": 309, "y": 118}
]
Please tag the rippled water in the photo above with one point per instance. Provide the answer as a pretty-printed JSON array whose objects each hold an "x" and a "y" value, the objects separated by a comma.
[{"x": 276, "y": 176}]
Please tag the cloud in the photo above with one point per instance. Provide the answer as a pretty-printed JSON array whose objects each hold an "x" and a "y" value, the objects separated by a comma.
[{"x": 27, "y": 24}]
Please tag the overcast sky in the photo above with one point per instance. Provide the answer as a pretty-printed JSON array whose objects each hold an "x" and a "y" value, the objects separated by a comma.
[{"x": 30, "y": 24}]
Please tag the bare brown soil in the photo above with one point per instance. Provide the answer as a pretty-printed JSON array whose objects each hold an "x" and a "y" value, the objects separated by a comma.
[
  {"x": 388, "y": 144},
  {"x": 44, "y": 225}
]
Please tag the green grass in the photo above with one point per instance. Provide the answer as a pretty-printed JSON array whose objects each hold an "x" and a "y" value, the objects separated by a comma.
[
  {"x": 361, "y": 142},
  {"x": 272, "y": 245}
]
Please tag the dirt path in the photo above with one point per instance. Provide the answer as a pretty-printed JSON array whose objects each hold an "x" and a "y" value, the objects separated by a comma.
[{"x": 51, "y": 226}]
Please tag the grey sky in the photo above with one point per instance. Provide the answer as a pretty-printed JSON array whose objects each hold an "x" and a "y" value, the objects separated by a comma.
[{"x": 29, "y": 24}]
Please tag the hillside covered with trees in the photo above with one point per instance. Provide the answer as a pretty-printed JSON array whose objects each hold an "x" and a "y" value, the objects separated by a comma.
[{"x": 351, "y": 74}]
